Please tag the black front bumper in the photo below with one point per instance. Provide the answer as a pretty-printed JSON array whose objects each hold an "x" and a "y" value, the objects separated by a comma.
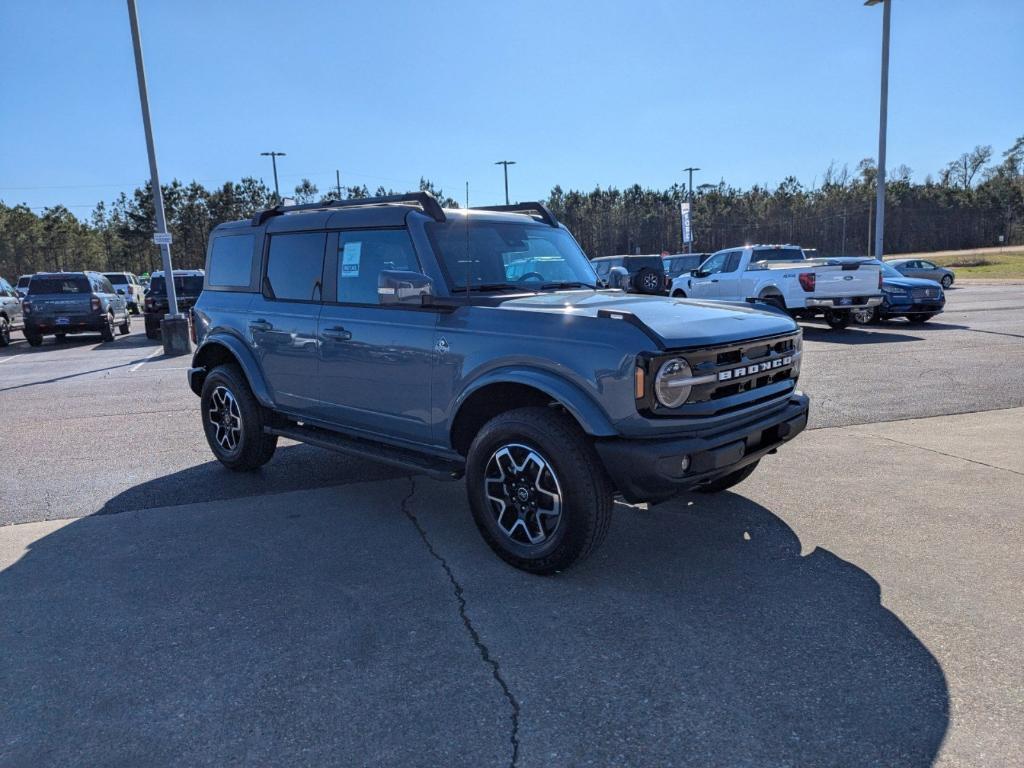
[{"x": 651, "y": 470}]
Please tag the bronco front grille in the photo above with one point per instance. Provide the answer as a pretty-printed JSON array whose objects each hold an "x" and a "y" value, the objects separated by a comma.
[{"x": 736, "y": 373}]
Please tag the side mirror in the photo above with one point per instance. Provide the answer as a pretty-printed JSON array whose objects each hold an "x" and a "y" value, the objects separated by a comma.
[
  {"x": 408, "y": 288},
  {"x": 618, "y": 277},
  {"x": 696, "y": 273}
]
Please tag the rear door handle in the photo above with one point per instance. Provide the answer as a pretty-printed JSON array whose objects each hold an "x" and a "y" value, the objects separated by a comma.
[
  {"x": 337, "y": 333},
  {"x": 261, "y": 325}
]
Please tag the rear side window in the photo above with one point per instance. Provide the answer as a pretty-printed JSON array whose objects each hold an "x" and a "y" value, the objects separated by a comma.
[
  {"x": 231, "y": 262},
  {"x": 295, "y": 267},
  {"x": 364, "y": 254},
  {"x": 116, "y": 278},
  {"x": 777, "y": 254},
  {"x": 41, "y": 286}
]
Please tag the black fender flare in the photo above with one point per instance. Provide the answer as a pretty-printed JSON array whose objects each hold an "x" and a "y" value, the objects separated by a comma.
[{"x": 243, "y": 356}]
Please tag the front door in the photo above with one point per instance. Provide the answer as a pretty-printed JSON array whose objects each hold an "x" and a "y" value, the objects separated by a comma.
[
  {"x": 706, "y": 287},
  {"x": 283, "y": 320},
  {"x": 375, "y": 361}
]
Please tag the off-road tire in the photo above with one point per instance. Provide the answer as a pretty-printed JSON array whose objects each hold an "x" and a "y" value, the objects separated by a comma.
[
  {"x": 254, "y": 447},
  {"x": 648, "y": 281},
  {"x": 5, "y": 332},
  {"x": 152, "y": 333},
  {"x": 126, "y": 327},
  {"x": 728, "y": 481},
  {"x": 107, "y": 331},
  {"x": 585, "y": 492},
  {"x": 34, "y": 339}
]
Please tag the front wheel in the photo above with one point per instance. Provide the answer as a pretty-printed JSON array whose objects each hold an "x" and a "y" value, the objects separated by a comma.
[
  {"x": 34, "y": 339},
  {"x": 233, "y": 420},
  {"x": 864, "y": 315},
  {"x": 837, "y": 320},
  {"x": 5, "y": 332},
  {"x": 728, "y": 481},
  {"x": 126, "y": 327},
  {"x": 539, "y": 494}
]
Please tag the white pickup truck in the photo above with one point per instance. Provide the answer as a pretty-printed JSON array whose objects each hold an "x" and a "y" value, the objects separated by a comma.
[{"x": 782, "y": 275}]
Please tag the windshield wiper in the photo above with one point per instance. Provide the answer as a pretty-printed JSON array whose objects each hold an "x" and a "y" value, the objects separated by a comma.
[
  {"x": 568, "y": 284},
  {"x": 493, "y": 287}
]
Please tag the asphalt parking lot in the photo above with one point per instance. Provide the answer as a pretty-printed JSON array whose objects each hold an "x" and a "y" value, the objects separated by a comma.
[{"x": 855, "y": 602}]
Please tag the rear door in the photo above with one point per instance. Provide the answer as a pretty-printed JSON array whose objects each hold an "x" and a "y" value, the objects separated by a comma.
[
  {"x": 282, "y": 323},
  {"x": 375, "y": 361}
]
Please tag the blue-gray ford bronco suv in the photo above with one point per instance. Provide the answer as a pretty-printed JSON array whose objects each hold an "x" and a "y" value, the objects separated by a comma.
[{"x": 477, "y": 343}]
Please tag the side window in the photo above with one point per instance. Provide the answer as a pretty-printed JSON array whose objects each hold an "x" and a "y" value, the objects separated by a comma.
[
  {"x": 364, "y": 254},
  {"x": 295, "y": 266},
  {"x": 927, "y": 265},
  {"x": 714, "y": 264},
  {"x": 231, "y": 261},
  {"x": 106, "y": 285},
  {"x": 732, "y": 263}
]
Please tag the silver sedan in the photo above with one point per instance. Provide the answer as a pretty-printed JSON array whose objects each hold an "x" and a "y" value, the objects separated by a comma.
[{"x": 921, "y": 268}]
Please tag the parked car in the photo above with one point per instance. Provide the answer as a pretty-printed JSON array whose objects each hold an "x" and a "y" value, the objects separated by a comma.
[
  {"x": 128, "y": 285},
  {"x": 361, "y": 326},
  {"x": 60, "y": 303},
  {"x": 11, "y": 318},
  {"x": 926, "y": 270},
  {"x": 188, "y": 284},
  {"x": 682, "y": 263},
  {"x": 643, "y": 274},
  {"x": 22, "y": 286},
  {"x": 910, "y": 297},
  {"x": 781, "y": 276}
]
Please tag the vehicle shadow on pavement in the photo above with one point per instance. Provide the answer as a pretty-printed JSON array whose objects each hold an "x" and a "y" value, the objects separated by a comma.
[
  {"x": 318, "y": 628},
  {"x": 855, "y": 336},
  {"x": 699, "y": 635}
]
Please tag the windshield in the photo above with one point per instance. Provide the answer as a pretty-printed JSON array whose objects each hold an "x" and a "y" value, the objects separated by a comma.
[
  {"x": 24, "y": 281},
  {"x": 49, "y": 285},
  {"x": 887, "y": 270},
  {"x": 187, "y": 285},
  {"x": 117, "y": 278},
  {"x": 492, "y": 255}
]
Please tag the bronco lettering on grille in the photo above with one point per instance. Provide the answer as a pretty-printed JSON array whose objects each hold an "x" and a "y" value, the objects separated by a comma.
[{"x": 754, "y": 368}]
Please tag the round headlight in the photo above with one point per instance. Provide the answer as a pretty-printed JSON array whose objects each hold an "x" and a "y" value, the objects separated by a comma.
[{"x": 672, "y": 385}]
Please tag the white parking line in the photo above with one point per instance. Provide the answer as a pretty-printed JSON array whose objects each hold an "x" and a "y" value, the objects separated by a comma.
[
  {"x": 6, "y": 360},
  {"x": 150, "y": 356}
]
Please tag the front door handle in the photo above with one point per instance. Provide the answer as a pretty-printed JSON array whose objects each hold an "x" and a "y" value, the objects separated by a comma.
[
  {"x": 261, "y": 325},
  {"x": 337, "y": 333},
  {"x": 714, "y": 281}
]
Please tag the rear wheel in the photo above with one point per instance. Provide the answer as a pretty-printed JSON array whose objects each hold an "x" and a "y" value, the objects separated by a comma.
[
  {"x": 538, "y": 492},
  {"x": 947, "y": 280},
  {"x": 107, "y": 331},
  {"x": 33, "y": 339},
  {"x": 837, "y": 320},
  {"x": 126, "y": 327},
  {"x": 233, "y": 420},
  {"x": 5, "y": 332},
  {"x": 728, "y": 481},
  {"x": 679, "y": 294},
  {"x": 774, "y": 300}
]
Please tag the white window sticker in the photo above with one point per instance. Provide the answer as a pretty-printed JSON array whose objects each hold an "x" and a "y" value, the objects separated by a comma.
[{"x": 350, "y": 259}]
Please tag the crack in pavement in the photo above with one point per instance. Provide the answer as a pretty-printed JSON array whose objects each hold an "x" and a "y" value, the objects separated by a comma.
[
  {"x": 942, "y": 453},
  {"x": 482, "y": 649}
]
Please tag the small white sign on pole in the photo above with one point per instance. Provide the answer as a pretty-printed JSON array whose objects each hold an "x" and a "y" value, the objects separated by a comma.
[
  {"x": 161, "y": 238},
  {"x": 687, "y": 232}
]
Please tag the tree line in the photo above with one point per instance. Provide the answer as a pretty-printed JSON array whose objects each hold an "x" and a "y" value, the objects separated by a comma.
[{"x": 969, "y": 203}]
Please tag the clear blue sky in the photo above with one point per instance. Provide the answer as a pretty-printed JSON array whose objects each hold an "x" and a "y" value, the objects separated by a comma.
[{"x": 579, "y": 93}]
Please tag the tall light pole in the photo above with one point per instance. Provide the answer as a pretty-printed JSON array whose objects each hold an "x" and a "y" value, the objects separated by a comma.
[
  {"x": 174, "y": 327},
  {"x": 883, "y": 110},
  {"x": 689, "y": 199},
  {"x": 273, "y": 159},
  {"x": 506, "y": 163}
]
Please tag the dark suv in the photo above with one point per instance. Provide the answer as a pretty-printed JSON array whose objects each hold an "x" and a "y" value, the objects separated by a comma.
[
  {"x": 188, "y": 285},
  {"x": 60, "y": 303},
  {"x": 477, "y": 343},
  {"x": 643, "y": 274}
]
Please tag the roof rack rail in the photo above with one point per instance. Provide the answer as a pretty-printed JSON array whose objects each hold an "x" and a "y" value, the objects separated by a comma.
[
  {"x": 538, "y": 208},
  {"x": 426, "y": 200}
]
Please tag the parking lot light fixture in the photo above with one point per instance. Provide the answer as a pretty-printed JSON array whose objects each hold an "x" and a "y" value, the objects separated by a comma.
[
  {"x": 273, "y": 160},
  {"x": 506, "y": 163}
]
